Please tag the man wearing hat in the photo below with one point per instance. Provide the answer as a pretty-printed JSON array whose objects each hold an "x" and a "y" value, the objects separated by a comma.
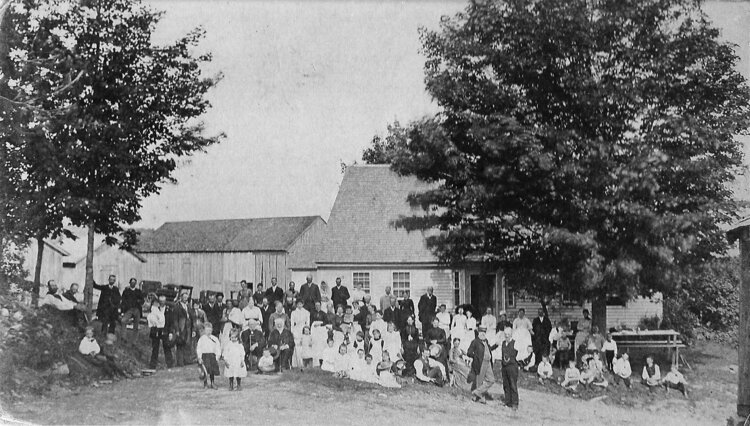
[{"x": 481, "y": 374}]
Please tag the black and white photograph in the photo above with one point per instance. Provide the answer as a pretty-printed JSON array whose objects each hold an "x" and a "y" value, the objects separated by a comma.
[{"x": 414, "y": 212}]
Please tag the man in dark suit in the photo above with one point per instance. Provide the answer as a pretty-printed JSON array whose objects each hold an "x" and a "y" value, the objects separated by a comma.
[
  {"x": 541, "y": 327},
  {"x": 213, "y": 312},
  {"x": 183, "y": 320},
  {"x": 390, "y": 313},
  {"x": 131, "y": 304},
  {"x": 309, "y": 293},
  {"x": 510, "y": 370},
  {"x": 265, "y": 311},
  {"x": 109, "y": 303},
  {"x": 71, "y": 293},
  {"x": 481, "y": 374},
  {"x": 339, "y": 294},
  {"x": 427, "y": 307},
  {"x": 274, "y": 293}
]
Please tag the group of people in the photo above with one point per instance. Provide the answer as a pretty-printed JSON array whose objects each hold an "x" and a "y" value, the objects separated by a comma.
[{"x": 345, "y": 333}]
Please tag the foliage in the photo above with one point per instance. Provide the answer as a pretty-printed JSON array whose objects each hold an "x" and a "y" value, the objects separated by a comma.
[
  {"x": 712, "y": 294},
  {"x": 649, "y": 323},
  {"x": 585, "y": 144},
  {"x": 106, "y": 110},
  {"x": 383, "y": 149},
  {"x": 677, "y": 317}
]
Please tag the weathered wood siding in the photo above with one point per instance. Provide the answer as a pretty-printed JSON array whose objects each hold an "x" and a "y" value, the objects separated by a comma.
[
  {"x": 629, "y": 315},
  {"x": 51, "y": 264},
  {"x": 107, "y": 260},
  {"x": 215, "y": 271}
]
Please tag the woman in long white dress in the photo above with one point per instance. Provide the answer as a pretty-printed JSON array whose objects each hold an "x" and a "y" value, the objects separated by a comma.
[
  {"x": 319, "y": 334},
  {"x": 469, "y": 335},
  {"x": 458, "y": 326},
  {"x": 300, "y": 319}
]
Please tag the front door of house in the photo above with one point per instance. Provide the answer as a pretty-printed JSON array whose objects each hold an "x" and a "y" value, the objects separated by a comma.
[{"x": 482, "y": 293}]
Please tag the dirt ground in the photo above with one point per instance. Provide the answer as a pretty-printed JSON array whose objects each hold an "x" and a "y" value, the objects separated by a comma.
[{"x": 313, "y": 397}]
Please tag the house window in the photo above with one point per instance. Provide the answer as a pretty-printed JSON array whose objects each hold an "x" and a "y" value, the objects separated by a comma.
[
  {"x": 401, "y": 284},
  {"x": 456, "y": 288},
  {"x": 362, "y": 279},
  {"x": 510, "y": 297}
]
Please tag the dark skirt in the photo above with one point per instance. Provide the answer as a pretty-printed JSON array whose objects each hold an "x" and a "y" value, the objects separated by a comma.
[{"x": 209, "y": 362}]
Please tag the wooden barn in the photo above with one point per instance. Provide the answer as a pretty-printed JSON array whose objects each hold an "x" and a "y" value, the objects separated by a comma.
[
  {"x": 53, "y": 257},
  {"x": 217, "y": 254}
]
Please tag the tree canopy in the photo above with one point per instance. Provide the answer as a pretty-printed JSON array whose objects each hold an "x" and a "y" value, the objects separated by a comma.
[
  {"x": 585, "y": 146},
  {"x": 107, "y": 112}
]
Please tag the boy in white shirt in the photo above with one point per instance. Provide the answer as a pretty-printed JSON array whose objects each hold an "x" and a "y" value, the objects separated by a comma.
[
  {"x": 544, "y": 370},
  {"x": 265, "y": 363},
  {"x": 621, "y": 369},
  {"x": 609, "y": 347},
  {"x": 572, "y": 376},
  {"x": 675, "y": 380},
  {"x": 651, "y": 376},
  {"x": 88, "y": 345}
]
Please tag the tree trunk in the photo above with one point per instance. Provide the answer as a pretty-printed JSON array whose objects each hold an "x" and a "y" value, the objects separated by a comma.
[
  {"x": 37, "y": 271},
  {"x": 88, "y": 289},
  {"x": 743, "y": 332},
  {"x": 599, "y": 312}
]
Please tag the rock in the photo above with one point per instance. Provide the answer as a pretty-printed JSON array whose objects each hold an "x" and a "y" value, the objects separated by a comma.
[
  {"x": 733, "y": 368},
  {"x": 18, "y": 316},
  {"x": 5, "y": 313},
  {"x": 382, "y": 395},
  {"x": 61, "y": 370}
]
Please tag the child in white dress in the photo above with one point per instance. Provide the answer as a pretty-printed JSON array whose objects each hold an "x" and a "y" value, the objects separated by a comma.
[
  {"x": 305, "y": 348},
  {"x": 328, "y": 357},
  {"x": 233, "y": 355}
]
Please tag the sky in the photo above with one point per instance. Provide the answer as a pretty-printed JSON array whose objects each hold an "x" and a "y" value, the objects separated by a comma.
[{"x": 306, "y": 86}]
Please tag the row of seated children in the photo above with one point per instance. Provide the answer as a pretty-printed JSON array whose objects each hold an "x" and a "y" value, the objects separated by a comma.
[{"x": 358, "y": 365}]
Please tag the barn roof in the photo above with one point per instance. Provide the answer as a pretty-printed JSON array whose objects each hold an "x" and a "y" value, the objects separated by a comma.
[
  {"x": 231, "y": 235},
  {"x": 360, "y": 228}
]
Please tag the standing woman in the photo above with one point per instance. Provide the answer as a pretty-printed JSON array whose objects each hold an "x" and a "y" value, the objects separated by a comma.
[
  {"x": 410, "y": 344},
  {"x": 325, "y": 293},
  {"x": 469, "y": 335},
  {"x": 458, "y": 326}
]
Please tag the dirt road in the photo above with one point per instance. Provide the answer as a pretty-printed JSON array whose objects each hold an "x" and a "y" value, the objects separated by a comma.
[{"x": 177, "y": 397}]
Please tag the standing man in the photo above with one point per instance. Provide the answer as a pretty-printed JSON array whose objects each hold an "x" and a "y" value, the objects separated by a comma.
[
  {"x": 390, "y": 314},
  {"x": 183, "y": 318},
  {"x": 542, "y": 327},
  {"x": 309, "y": 293},
  {"x": 265, "y": 312},
  {"x": 157, "y": 321},
  {"x": 213, "y": 312},
  {"x": 385, "y": 300},
  {"x": 510, "y": 370},
  {"x": 427, "y": 307},
  {"x": 339, "y": 294},
  {"x": 131, "y": 305},
  {"x": 258, "y": 295},
  {"x": 481, "y": 373},
  {"x": 274, "y": 293},
  {"x": 291, "y": 291},
  {"x": 244, "y": 295},
  {"x": 109, "y": 303}
]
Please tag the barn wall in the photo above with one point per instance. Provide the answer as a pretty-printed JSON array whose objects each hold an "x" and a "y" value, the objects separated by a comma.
[
  {"x": 216, "y": 271},
  {"x": 107, "y": 260},
  {"x": 51, "y": 263},
  {"x": 302, "y": 251}
]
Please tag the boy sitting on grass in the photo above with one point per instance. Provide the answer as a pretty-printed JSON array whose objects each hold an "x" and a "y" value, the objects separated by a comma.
[
  {"x": 265, "y": 363},
  {"x": 675, "y": 380},
  {"x": 622, "y": 370},
  {"x": 651, "y": 376},
  {"x": 572, "y": 376},
  {"x": 544, "y": 370}
]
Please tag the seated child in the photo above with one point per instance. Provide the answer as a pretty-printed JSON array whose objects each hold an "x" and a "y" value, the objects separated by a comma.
[
  {"x": 651, "y": 375},
  {"x": 529, "y": 363},
  {"x": 342, "y": 363},
  {"x": 544, "y": 369},
  {"x": 384, "y": 372},
  {"x": 675, "y": 380},
  {"x": 265, "y": 363},
  {"x": 328, "y": 358},
  {"x": 358, "y": 343},
  {"x": 88, "y": 345},
  {"x": 108, "y": 352},
  {"x": 597, "y": 366},
  {"x": 358, "y": 366},
  {"x": 588, "y": 373},
  {"x": 572, "y": 376},
  {"x": 369, "y": 370},
  {"x": 621, "y": 369}
]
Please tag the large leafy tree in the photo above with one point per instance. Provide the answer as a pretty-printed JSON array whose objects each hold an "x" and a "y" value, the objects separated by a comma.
[
  {"x": 127, "y": 108},
  {"x": 585, "y": 146}
]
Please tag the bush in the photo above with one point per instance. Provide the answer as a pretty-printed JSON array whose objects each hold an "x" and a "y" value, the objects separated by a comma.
[
  {"x": 649, "y": 323},
  {"x": 678, "y": 318}
]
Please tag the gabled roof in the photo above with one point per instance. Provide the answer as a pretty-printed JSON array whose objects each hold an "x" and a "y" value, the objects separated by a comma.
[
  {"x": 360, "y": 229},
  {"x": 231, "y": 235},
  {"x": 76, "y": 247}
]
